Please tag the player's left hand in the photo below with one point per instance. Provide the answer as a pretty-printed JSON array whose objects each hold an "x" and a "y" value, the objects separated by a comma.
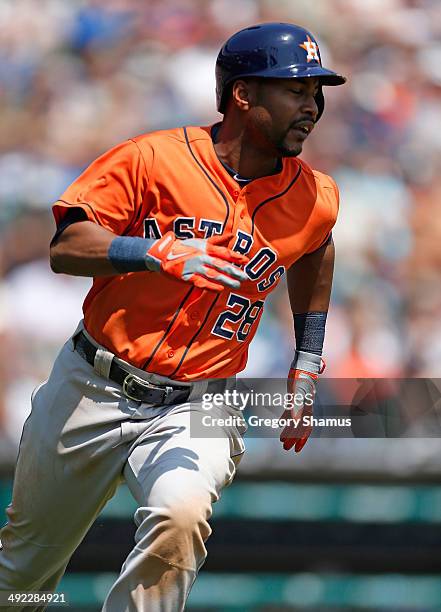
[{"x": 301, "y": 386}]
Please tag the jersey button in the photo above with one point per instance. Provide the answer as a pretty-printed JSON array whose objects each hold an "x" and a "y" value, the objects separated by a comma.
[
  {"x": 170, "y": 354},
  {"x": 194, "y": 315},
  {"x": 235, "y": 193}
]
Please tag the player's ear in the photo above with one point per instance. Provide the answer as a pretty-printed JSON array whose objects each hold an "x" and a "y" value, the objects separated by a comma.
[{"x": 243, "y": 94}]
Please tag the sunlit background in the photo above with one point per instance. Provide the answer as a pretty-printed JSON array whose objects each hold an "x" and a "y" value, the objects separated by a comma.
[{"x": 349, "y": 524}]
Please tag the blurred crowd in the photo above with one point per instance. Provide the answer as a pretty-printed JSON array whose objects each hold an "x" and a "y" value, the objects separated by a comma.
[{"x": 78, "y": 77}]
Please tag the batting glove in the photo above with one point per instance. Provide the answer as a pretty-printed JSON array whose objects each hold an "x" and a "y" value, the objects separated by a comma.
[
  {"x": 302, "y": 378},
  {"x": 204, "y": 263}
]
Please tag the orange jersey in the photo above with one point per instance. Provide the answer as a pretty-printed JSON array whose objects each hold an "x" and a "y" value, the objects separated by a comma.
[{"x": 173, "y": 180}]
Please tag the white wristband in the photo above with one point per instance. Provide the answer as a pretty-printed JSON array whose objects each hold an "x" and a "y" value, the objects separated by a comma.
[{"x": 308, "y": 362}]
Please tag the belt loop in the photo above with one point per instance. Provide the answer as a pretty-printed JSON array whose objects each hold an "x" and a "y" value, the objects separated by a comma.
[{"x": 102, "y": 362}]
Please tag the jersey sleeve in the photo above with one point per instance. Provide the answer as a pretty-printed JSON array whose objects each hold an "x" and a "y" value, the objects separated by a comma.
[
  {"x": 111, "y": 190},
  {"x": 324, "y": 235}
]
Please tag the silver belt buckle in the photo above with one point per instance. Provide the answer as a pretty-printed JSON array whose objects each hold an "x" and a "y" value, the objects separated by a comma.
[
  {"x": 130, "y": 378},
  {"x": 143, "y": 383}
]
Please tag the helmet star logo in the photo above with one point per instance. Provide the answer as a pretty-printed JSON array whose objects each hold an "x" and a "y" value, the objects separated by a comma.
[{"x": 311, "y": 48}]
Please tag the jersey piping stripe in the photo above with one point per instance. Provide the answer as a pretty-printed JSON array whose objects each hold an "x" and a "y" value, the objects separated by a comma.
[
  {"x": 147, "y": 362},
  {"x": 279, "y": 195},
  {"x": 195, "y": 336},
  {"x": 224, "y": 197}
]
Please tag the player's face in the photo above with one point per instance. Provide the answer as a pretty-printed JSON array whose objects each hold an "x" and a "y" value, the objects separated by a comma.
[{"x": 284, "y": 113}]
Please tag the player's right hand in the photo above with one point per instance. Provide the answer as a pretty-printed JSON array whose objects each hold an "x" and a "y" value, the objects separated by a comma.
[{"x": 204, "y": 263}]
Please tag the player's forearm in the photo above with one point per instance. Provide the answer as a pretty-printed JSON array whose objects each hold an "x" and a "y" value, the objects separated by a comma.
[
  {"x": 87, "y": 249},
  {"x": 83, "y": 250},
  {"x": 309, "y": 286},
  {"x": 310, "y": 281}
]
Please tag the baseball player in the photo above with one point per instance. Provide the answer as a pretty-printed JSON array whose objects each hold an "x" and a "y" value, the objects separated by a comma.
[{"x": 185, "y": 232}]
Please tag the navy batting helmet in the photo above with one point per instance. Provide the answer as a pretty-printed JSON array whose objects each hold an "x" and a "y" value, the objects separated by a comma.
[{"x": 275, "y": 50}]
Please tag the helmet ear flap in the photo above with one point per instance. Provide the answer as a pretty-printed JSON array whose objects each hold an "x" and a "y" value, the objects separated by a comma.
[
  {"x": 223, "y": 98},
  {"x": 320, "y": 101}
]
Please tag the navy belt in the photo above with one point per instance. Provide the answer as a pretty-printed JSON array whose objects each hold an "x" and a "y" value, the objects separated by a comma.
[{"x": 133, "y": 387}]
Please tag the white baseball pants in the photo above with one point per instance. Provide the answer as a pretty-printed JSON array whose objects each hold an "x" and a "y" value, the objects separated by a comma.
[{"x": 81, "y": 440}]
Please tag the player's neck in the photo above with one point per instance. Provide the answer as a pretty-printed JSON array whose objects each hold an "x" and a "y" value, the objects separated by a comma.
[{"x": 237, "y": 151}]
